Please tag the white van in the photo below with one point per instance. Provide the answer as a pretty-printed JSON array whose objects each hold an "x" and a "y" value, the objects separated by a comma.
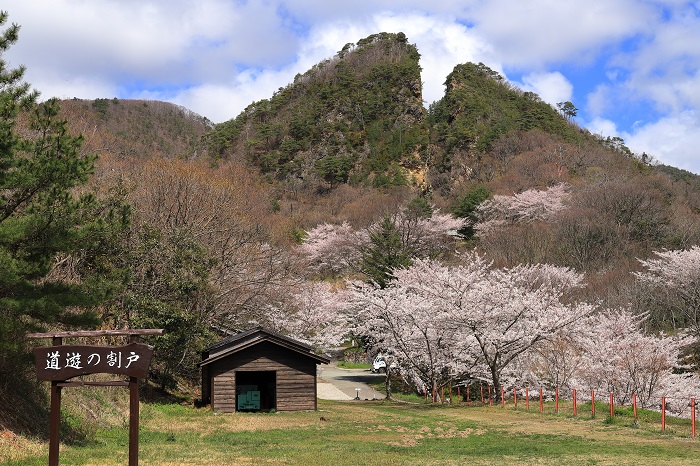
[{"x": 379, "y": 364}]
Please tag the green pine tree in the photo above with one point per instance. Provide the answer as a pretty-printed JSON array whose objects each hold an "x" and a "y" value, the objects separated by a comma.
[
  {"x": 467, "y": 208},
  {"x": 43, "y": 222},
  {"x": 385, "y": 253}
]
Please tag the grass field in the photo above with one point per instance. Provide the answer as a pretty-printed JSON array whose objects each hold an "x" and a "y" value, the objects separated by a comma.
[{"x": 382, "y": 433}]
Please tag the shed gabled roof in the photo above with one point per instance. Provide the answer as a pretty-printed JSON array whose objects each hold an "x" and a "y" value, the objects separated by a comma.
[{"x": 243, "y": 340}]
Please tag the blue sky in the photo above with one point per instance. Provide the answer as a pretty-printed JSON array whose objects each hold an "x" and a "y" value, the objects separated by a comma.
[{"x": 632, "y": 67}]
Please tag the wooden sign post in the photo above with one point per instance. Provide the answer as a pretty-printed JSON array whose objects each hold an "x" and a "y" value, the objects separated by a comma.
[{"x": 60, "y": 362}]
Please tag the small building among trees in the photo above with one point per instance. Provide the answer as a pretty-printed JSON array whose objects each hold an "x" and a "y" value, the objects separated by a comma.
[{"x": 259, "y": 370}]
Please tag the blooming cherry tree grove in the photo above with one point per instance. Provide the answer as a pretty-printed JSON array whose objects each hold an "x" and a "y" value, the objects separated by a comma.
[
  {"x": 334, "y": 250},
  {"x": 491, "y": 316},
  {"x": 621, "y": 359},
  {"x": 528, "y": 206}
]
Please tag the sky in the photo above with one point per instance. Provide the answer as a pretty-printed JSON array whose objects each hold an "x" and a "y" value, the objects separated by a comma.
[{"x": 631, "y": 67}]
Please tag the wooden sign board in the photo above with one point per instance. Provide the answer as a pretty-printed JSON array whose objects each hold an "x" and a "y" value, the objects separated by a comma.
[{"x": 66, "y": 361}]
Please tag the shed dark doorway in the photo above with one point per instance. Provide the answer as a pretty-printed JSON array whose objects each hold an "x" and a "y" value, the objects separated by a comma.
[{"x": 256, "y": 391}]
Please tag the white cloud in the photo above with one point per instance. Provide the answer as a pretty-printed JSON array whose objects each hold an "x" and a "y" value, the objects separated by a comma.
[
  {"x": 551, "y": 87},
  {"x": 665, "y": 66},
  {"x": 598, "y": 101},
  {"x": 442, "y": 44},
  {"x": 533, "y": 33},
  {"x": 673, "y": 140},
  {"x": 602, "y": 127}
]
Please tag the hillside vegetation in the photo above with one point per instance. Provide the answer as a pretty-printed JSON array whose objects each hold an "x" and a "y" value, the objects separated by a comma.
[{"x": 354, "y": 118}]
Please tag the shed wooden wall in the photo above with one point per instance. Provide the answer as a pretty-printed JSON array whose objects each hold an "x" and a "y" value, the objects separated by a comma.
[{"x": 296, "y": 377}]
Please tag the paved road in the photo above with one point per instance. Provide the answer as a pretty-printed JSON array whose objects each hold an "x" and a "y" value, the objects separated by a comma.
[{"x": 339, "y": 384}]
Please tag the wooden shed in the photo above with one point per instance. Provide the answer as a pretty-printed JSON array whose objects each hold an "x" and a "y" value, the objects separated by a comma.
[{"x": 259, "y": 370}]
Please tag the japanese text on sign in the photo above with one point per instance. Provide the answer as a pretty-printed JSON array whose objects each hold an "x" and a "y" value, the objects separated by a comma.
[{"x": 64, "y": 362}]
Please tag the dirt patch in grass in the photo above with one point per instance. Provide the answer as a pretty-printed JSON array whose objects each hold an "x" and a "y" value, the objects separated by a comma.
[
  {"x": 15, "y": 447},
  {"x": 233, "y": 422}
]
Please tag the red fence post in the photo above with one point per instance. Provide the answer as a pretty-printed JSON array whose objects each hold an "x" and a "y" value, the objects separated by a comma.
[
  {"x": 527, "y": 398},
  {"x": 692, "y": 417},
  {"x": 503, "y": 397},
  {"x": 574, "y": 397},
  {"x": 515, "y": 397},
  {"x": 592, "y": 403},
  {"x": 482, "y": 393},
  {"x": 612, "y": 408},
  {"x": 634, "y": 406},
  {"x": 556, "y": 400},
  {"x": 490, "y": 399},
  {"x": 541, "y": 406},
  {"x": 663, "y": 412},
  {"x": 459, "y": 395},
  {"x": 468, "y": 398},
  {"x": 442, "y": 396}
]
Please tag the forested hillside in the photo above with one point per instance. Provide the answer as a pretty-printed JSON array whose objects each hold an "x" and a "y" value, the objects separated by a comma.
[
  {"x": 357, "y": 117},
  {"x": 136, "y": 128},
  {"x": 338, "y": 197}
]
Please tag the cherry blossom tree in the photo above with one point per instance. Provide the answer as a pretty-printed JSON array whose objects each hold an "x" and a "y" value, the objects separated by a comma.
[
  {"x": 528, "y": 206},
  {"x": 674, "y": 281},
  {"x": 315, "y": 314},
  {"x": 409, "y": 329},
  {"x": 502, "y": 313},
  {"x": 621, "y": 359},
  {"x": 333, "y": 249}
]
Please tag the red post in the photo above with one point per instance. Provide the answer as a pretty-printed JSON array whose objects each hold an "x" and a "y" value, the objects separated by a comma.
[
  {"x": 468, "y": 398},
  {"x": 692, "y": 416},
  {"x": 442, "y": 396},
  {"x": 459, "y": 395},
  {"x": 541, "y": 405},
  {"x": 490, "y": 399},
  {"x": 515, "y": 397},
  {"x": 527, "y": 398},
  {"x": 663, "y": 413},
  {"x": 425, "y": 393},
  {"x": 574, "y": 397},
  {"x": 556, "y": 400},
  {"x": 503, "y": 397},
  {"x": 482, "y": 393},
  {"x": 612, "y": 406},
  {"x": 592, "y": 403},
  {"x": 634, "y": 406}
]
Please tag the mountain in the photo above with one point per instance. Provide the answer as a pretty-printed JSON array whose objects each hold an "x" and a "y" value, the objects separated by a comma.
[{"x": 357, "y": 117}]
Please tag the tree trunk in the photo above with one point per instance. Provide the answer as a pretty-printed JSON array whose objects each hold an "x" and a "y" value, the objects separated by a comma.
[
  {"x": 387, "y": 382},
  {"x": 495, "y": 378}
]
